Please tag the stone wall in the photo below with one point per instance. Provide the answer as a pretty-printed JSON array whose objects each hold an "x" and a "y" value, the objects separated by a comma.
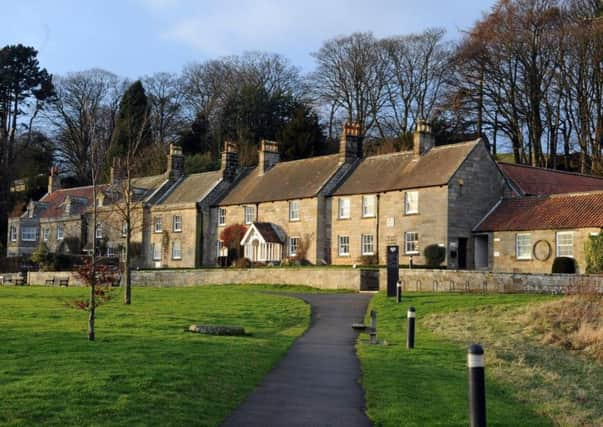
[{"x": 40, "y": 277}]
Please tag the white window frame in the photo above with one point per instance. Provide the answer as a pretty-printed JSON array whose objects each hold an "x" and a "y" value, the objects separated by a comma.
[
  {"x": 559, "y": 246},
  {"x": 293, "y": 245},
  {"x": 221, "y": 216},
  {"x": 219, "y": 247},
  {"x": 124, "y": 228},
  {"x": 367, "y": 244},
  {"x": 414, "y": 242},
  {"x": 60, "y": 232},
  {"x": 343, "y": 245},
  {"x": 248, "y": 214},
  {"x": 98, "y": 231},
  {"x": 519, "y": 244},
  {"x": 409, "y": 209},
  {"x": 156, "y": 251},
  {"x": 368, "y": 209},
  {"x": 29, "y": 233},
  {"x": 176, "y": 249},
  {"x": 110, "y": 251},
  {"x": 343, "y": 208},
  {"x": 177, "y": 223},
  {"x": 13, "y": 233},
  {"x": 45, "y": 234},
  {"x": 294, "y": 210},
  {"x": 157, "y": 224}
]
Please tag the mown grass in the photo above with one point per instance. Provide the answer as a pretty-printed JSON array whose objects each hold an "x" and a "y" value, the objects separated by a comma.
[
  {"x": 143, "y": 369},
  {"x": 427, "y": 386}
]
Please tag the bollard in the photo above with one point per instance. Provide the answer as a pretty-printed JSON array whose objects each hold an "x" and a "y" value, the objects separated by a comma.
[
  {"x": 373, "y": 331},
  {"x": 477, "y": 386},
  {"x": 410, "y": 336},
  {"x": 399, "y": 291}
]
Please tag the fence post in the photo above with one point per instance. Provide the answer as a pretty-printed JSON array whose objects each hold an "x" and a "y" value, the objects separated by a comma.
[
  {"x": 373, "y": 331},
  {"x": 477, "y": 386},
  {"x": 410, "y": 336}
]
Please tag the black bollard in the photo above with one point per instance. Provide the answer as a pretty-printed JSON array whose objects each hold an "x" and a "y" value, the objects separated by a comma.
[
  {"x": 399, "y": 291},
  {"x": 477, "y": 386},
  {"x": 410, "y": 336},
  {"x": 373, "y": 331}
]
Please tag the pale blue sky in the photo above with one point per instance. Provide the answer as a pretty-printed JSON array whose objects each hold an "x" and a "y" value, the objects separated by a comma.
[{"x": 138, "y": 37}]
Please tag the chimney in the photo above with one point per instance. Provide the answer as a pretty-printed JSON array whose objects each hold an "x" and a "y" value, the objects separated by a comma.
[
  {"x": 423, "y": 139},
  {"x": 54, "y": 180},
  {"x": 268, "y": 156},
  {"x": 230, "y": 161},
  {"x": 117, "y": 172},
  {"x": 175, "y": 166},
  {"x": 350, "y": 144}
]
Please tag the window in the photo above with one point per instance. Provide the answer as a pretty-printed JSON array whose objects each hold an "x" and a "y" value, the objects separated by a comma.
[
  {"x": 294, "y": 210},
  {"x": 60, "y": 232},
  {"x": 45, "y": 233},
  {"x": 28, "y": 234},
  {"x": 176, "y": 250},
  {"x": 343, "y": 242},
  {"x": 293, "y": 245},
  {"x": 221, "y": 216},
  {"x": 411, "y": 202},
  {"x": 99, "y": 231},
  {"x": 344, "y": 208},
  {"x": 411, "y": 242},
  {"x": 124, "y": 228},
  {"x": 368, "y": 206},
  {"x": 177, "y": 223},
  {"x": 523, "y": 246},
  {"x": 220, "y": 249},
  {"x": 13, "y": 233},
  {"x": 157, "y": 222},
  {"x": 565, "y": 243},
  {"x": 110, "y": 251},
  {"x": 367, "y": 245},
  {"x": 157, "y": 251},
  {"x": 249, "y": 211}
]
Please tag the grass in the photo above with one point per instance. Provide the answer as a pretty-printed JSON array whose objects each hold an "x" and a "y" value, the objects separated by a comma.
[
  {"x": 143, "y": 369},
  {"x": 427, "y": 386}
]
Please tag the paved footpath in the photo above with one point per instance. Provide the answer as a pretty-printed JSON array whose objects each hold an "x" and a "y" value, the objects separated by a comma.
[{"x": 316, "y": 383}]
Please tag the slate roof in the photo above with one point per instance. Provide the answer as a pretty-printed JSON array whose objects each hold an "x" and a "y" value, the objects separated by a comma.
[
  {"x": 193, "y": 187},
  {"x": 560, "y": 211},
  {"x": 148, "y": 182},
  {"x": 54, "y": 206},
  {"x": 268, "y": 232},
  {"x": 533, "y": 181},
  {"x": 398, "y": 171},
  {"x": 296, "y": 179}
]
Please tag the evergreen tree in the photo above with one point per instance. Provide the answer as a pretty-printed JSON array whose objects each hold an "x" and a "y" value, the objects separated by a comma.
[{"x": 302, "y": 136}]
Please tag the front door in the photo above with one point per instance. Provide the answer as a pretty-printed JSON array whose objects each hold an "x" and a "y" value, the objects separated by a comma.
[{"x": 462, "y": 253}]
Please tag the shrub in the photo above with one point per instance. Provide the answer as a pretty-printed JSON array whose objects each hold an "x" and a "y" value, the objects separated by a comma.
[
  {"x": 242, "y": 263},
  {"x": 42, "y": 257},
  {"x": 368, "y": 260},
  {"x": 434, "y": 255},
  {"x": 593, "y": 250},
  {"x": 232, "y": 236},
  {"x": 564, "y": 265}
]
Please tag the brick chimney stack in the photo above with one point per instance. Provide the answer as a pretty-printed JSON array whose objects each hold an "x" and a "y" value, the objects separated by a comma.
[
  {"x": 423, "y": 139},
  {"x": 175, "y": 163},
  {"x": 350, "y": 144},
  {"x": 54, "y": 180},
  {"x": 230, "y": 161},
  {"x": 268, "y": 156}
]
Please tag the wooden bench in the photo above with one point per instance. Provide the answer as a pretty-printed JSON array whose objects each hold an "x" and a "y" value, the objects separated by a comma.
[
  {"x": 50, "y": 282},
  {"x": 64, "y": 282}
]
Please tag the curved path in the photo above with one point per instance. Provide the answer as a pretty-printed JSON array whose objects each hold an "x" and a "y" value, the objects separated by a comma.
[{"x": 317, "y": 382}]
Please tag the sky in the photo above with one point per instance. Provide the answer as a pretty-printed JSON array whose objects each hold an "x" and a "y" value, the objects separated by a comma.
[{"x": 133, "y": 38}]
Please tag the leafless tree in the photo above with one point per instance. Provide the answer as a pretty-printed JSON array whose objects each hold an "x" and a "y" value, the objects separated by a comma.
[{"x": 166, "y": 95}]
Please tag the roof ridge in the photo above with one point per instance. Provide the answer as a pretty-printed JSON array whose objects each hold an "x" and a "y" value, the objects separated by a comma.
[
  {"x": 324, "y": 156},
  {"x": 522, "y": 165},
  {"x": 577, "y": 194}
]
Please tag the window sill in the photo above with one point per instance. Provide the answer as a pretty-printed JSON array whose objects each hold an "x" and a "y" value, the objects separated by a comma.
[
  {"x": 176, "y": 231},
  {"x": 410, "y": 213},
  {"x": 344, "y": 218},
  {"x": 524, "y": 259},
  {"x": 295, "y": 220},
  {"x": 343, "y": 255},
  {"x": 369, "y": 254},
  {"x": 411, "y": 253},
  {"x": 369, "y": 216}
]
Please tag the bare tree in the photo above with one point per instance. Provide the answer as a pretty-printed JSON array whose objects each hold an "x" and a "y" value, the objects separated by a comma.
[{"x": 166, "y": 95}]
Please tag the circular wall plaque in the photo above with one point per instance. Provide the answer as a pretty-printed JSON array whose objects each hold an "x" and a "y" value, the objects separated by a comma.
[{"x": 542, "y": 250}]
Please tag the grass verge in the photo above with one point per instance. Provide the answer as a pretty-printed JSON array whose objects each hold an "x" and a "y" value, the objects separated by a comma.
[
  {"x": 143, "y": 369},
  {"x": 427, "y": 386}
]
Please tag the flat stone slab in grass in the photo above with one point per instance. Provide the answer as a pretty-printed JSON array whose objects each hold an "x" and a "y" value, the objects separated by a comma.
[{"x": 218, "y": 330}]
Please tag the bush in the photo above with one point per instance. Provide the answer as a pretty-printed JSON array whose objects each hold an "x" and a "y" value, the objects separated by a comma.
[
  {"x": 242, "y": 263},
  {"x": 564, "y": 265},
  {"x": 593, "y": 249},
  {"x": 368, "y": 260},
  {"x": 42, "y": 257},
  {"x": 434, "y": 255}
]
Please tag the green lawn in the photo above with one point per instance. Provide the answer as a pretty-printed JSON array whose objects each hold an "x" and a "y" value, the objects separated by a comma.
[
  {"x": 143, "y": 369},
  {"x": 427, "y": 386}
]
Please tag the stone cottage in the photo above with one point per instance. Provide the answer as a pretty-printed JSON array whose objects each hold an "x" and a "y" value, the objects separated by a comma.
[
  {"x": 183, "y": 225},
  {"x": 291, "y": 198},
  {"x": 415, "y": 199},
  {"x": 527, "y": 233}
]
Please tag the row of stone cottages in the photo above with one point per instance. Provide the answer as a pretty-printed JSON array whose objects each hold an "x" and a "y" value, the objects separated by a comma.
[{"x": 339, "y": 208}]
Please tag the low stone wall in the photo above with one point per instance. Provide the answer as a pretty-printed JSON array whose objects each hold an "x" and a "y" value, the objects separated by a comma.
[
  {"x": 40, "y": 278},
  {"x": 477, "y": 281},
  {"x": 320, "y": 277}
]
